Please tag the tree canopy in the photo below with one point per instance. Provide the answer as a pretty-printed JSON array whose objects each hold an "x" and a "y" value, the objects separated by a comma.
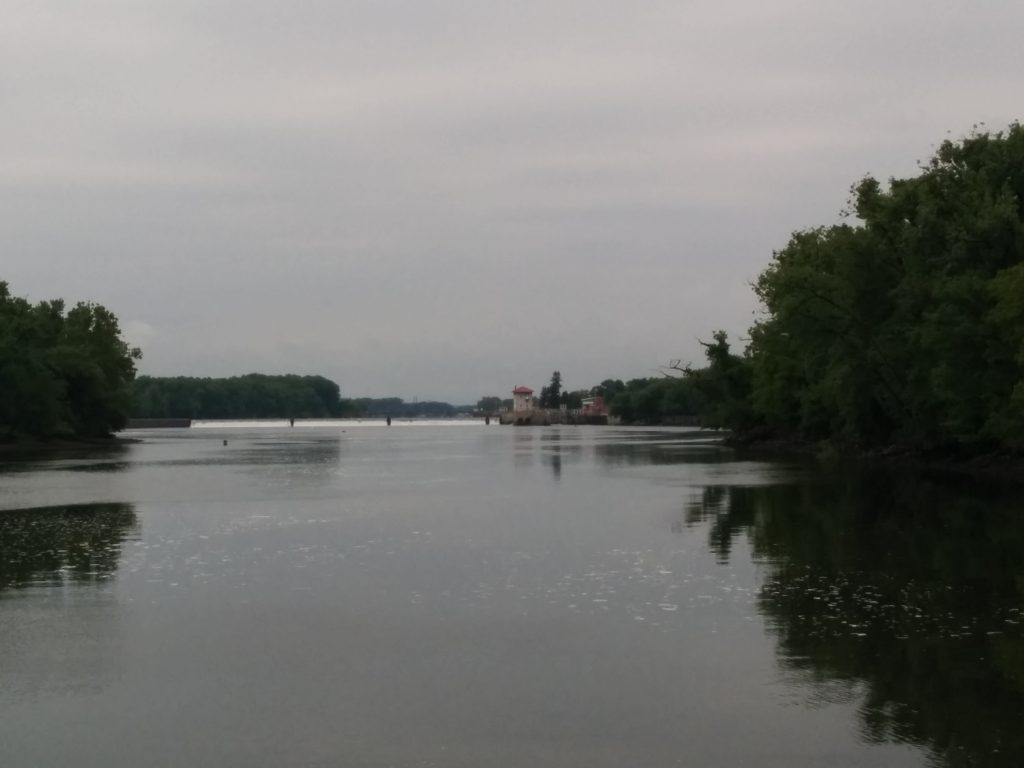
[
  {"x": 251, "y": 396},
  {"x": 550, "y": 396},
  {"x": 260, "y": 396},
  {"x": 907, "y": 327},
  {"x": 63, "y": 373},
  {"x": 903, "y": 325},
  {"x": 397, "y": 407}
]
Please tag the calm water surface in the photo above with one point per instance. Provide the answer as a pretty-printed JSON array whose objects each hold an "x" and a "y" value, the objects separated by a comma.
[{"x": 474, "y": 596}]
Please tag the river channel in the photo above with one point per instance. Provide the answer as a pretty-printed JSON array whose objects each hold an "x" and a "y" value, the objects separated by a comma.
[{"x": 463, "y": 595}]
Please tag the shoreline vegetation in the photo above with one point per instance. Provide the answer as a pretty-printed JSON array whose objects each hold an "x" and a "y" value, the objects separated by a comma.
[
  {"x": 898, "y": 333},
  {"x": 64, "y": 374},
  {"x": 33, "y": 447},
  {"x": 994, "y": 466},
  {"x": 261, "y": 396},
  {"x": 896, "y": 336}
]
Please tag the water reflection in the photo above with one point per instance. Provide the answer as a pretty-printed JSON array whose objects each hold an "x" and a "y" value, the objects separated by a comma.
[
  {"x": 92, "y": 456},
  {"x": 558, "y": 445},
  {"x": 55, "y": 545},
  {"x": 522, "y": 442},
  {"x": 314, "y": 451},
  {"x": 900, "y": 591},
  {"x": 659, "y": 448}
]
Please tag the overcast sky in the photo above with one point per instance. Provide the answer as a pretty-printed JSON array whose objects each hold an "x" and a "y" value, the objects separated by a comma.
[{"x": 444, "y": 199}]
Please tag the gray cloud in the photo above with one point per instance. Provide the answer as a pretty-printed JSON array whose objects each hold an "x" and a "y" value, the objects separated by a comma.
[{"x": 444, "y": 199}]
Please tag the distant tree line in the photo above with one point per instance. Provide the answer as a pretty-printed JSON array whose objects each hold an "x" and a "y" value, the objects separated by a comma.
[
  {"x": 396, "y": 407},
  {"x": 714, "y": 396},
  {"x": 259, "y": 396},
  {"x": 907, "y": 328},
  {"x": 63, "y": 373},
  {"x": 253, "y": 396}
]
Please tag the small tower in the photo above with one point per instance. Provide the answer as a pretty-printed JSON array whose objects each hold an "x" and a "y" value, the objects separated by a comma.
[{"x": 522, "y": 399}]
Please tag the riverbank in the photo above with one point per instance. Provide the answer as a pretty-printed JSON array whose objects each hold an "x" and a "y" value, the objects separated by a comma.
[
  {"x": 33, "y": 447},
  {"x": 990, "y": 465}
]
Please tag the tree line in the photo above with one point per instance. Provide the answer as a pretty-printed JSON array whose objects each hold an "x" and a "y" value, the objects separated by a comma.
[
  {"x": 63, "y": 372},
  {"x": 259, "y": 396},
  {"x": 252, "y": 396},
  {"x": 379, "y": 407},
  {"x": 907, "y": 327}
]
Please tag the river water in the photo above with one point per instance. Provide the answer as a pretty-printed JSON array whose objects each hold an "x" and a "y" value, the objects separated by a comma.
[{"x": 354, "y": 595}]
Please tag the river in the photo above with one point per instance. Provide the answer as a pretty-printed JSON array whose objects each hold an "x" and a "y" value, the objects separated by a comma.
[{"x": 441, "y": 595}]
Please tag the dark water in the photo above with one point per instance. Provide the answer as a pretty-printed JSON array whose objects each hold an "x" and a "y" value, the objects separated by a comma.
[{"x": 470, "y": 596}]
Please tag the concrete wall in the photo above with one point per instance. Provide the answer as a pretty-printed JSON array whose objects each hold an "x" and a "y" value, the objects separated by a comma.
[
  {"x": 542, "y": 417},
  {"x": 522, "y": 403}
]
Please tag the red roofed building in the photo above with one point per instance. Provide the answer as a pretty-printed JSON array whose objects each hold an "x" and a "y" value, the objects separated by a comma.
[{"x": 522, "y": 399}]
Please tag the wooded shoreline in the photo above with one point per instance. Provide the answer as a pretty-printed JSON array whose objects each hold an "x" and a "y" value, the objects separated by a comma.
[
  {"x": 32, "y": 447},
  {"x": 987, "y": 465}
]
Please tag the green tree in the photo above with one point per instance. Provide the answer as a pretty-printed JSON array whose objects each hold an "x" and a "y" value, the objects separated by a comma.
[
  {"x": 608, "y": 389},
  {"x": 723, "y": 388},
  {"x": 62, "y": 373},
  {"x": 574, "y": 400},
  {"x": 550, "y": 396},
  {"x": 907, "y": 327},
  {"x": 252, "y": 396}
]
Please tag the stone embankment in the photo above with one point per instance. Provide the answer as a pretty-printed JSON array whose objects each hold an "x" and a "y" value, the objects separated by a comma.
[{"x": 542, "y": 417}]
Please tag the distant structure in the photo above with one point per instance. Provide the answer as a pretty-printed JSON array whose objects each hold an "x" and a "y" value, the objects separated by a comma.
[
  {"x": 522, "y": 399},
  {"x": 526, "y": 412},
  {"x": 594, "y": 406}
]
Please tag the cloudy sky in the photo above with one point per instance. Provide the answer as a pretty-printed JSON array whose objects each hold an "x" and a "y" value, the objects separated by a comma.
[{"x": 443, "y": 199}]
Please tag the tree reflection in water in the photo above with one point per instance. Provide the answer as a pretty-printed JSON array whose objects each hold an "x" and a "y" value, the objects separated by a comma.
[
  {"x": 54, "y": 545},
  {"x": 902, "y": 591}
]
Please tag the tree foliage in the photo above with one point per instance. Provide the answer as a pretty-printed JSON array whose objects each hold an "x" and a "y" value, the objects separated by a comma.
[
  {"x": 655, "y": 400},
  {"x": 551, "y": 395},
  {"x": 258, "y": 396},
  {"x": 395, "y": 406},
  {"x": 723, "y": 387},
  {"x": 903, "y": 326},
  {"x": 251, "y": 396},
  {"x": 716, "y": 396},
  {"x": 907, "y": 327},
  {"x": 573, "y": 400},
  {"x": 62, "y": 373}
]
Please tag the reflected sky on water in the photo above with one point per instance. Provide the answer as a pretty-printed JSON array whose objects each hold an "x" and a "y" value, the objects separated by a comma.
[{"x": 564, "y": 596}]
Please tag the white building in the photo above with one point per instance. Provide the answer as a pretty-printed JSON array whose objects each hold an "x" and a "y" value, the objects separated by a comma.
[{"x": 522, "y": 399}]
